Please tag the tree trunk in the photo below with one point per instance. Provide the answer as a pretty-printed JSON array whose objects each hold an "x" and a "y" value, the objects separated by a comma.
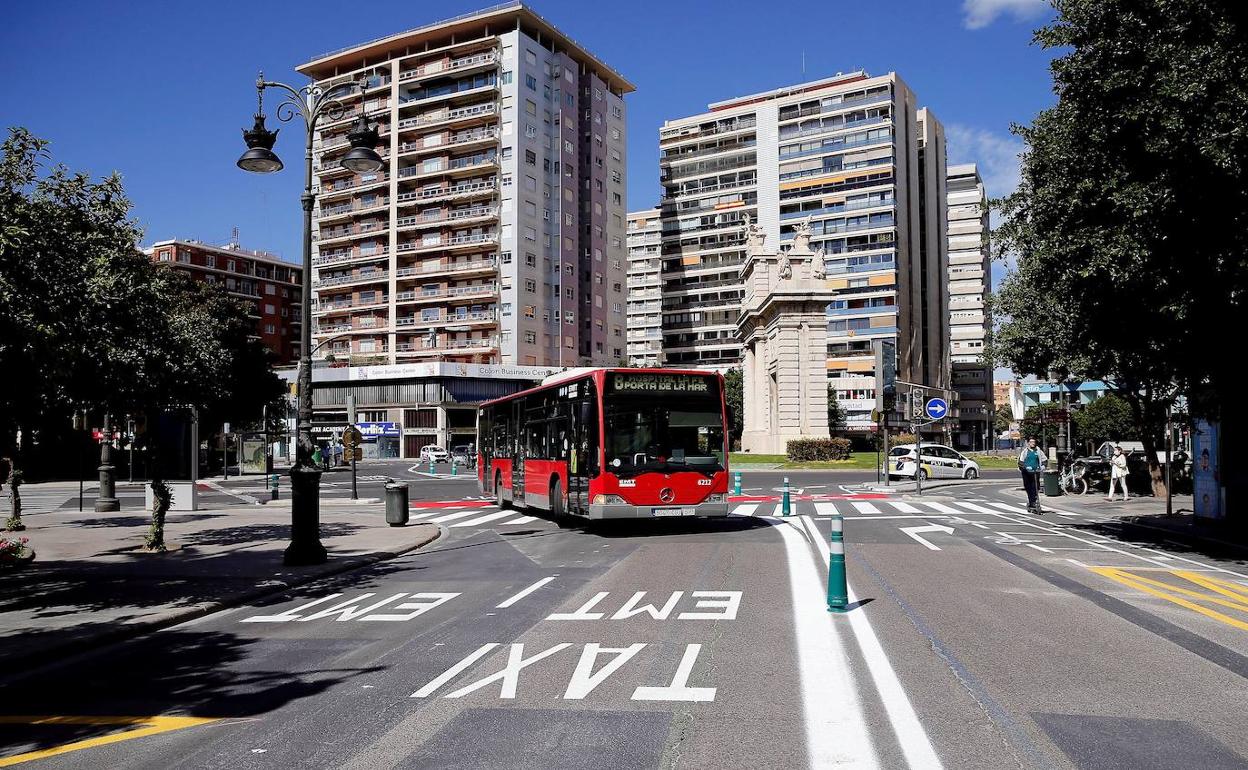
[
  {"x": 161, "y": 497},
  {"x": 14, "y": 480}
]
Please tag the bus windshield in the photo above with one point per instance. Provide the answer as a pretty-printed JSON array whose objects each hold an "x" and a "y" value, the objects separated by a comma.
[{"x": 663, "y": 431}]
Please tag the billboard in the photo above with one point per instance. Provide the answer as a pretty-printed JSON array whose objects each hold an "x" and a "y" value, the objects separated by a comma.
[{"x": 1207, "y": 486}]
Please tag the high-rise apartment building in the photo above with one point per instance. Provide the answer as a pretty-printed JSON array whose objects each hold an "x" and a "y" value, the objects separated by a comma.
[
  {"x": 495, "y": 231},
  {"x": 852, "y": 155},
  {"x": 271, "y": 286},
  {"x": 645, "y": 319},
  {"x": 970, "y": 281}
]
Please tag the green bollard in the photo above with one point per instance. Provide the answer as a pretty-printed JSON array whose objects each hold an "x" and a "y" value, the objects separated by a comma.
[
  {"x": 431, "y": 470},
  {"x": 786, "y": 506},
  {"x": 736, "y": 483},
  {"x": 838, "y": 591},
  {"x": 454, "y": 467},
  {"x": 274, "y": 492}
]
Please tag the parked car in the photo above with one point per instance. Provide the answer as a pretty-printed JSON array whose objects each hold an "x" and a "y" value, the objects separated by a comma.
[
  {"x": 464, "y": 454},
  {"x": 939, "y": 462},
  {"x": 435, "y": 453}
]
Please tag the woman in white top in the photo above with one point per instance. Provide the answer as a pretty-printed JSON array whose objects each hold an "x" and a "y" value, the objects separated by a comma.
[{"x": 1118, "y": 474}]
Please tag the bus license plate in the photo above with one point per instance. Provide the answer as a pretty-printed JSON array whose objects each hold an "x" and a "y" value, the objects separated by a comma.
[{"x": 675, "y": 511}]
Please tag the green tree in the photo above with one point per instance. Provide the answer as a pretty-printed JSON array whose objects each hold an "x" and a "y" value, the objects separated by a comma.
[
  {"x": 89, "y": 322},
  {"x": 1039, "y": 423},
  {"x": 836, "y": 413},
  {"x": 734, "y": 383},
  {"x": 1108, "y": 418},
  {"x": 1128, "y": 224},
  {"x": 1003, "y": 418}
]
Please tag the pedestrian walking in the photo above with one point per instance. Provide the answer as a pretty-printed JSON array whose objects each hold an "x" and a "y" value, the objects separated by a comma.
[
  {"x": 1118, "y": 474},
  {"x": 1030, "y": 462},
  {"x": 316, "y": 456}
]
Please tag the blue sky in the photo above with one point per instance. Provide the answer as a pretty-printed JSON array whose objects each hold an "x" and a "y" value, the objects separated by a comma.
[{"x": 160, "y": 90}]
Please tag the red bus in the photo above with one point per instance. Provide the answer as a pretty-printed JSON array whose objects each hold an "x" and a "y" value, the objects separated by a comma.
[{"x": 609, "y": 443}]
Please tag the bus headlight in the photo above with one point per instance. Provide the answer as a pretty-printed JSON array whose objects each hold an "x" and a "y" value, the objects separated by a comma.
[
  {"x": 608, "y": 500},
  {"x": 718, "y": 497}
]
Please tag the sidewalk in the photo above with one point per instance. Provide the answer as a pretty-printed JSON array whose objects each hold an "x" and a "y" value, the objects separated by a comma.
[
  {"x": 1145, "y": 518},
  {"x": 91, "y": 582}
]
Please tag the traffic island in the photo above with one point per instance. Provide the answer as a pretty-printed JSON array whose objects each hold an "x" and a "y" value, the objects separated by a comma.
[{"x": 94, "y": 582}]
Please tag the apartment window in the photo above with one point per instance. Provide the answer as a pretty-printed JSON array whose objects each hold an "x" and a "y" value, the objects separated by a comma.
[
  {"x": 185, "y": 257},
  {"x": 505, "y": 257},
  {"x": 530, "y": 285},
  {"x": 530, "y": 337},
  {"x": 210, "y": 260},
  {"x": 531, "y": 82},
  {"x": 506, "y": 77},
  {"x": 617, "y": 111},
  {"x": 506, "y": 308},
  {"x": 164, "y": 255},
  {"x": 530, "y": 209},
  {"x": 597, "y": 94},
  {"x": 506, "y": 153},
  {"x": 270, "y": 288},
  {"x": 506, "y": 180},
  {"x": 530, "y": 183},
  {"x": 568, "y": 294},
  {"x": 270, "y": 329},
  {"x": 530, "y": 311},
  {"x": 530, "y": 157},
  {"x": 530, "y": 57},
  {"x": 615, "y": 133},
  {"x": 568, "y": 148},
  {"x": 530, "y": 130},
  {"x": 530, "y": 259},
  {"x": 269, "y": 309},
  {"x": 530, "y": 234},
  {"x": 530, "y": 107},
  {"x": 615, "y": 176}
]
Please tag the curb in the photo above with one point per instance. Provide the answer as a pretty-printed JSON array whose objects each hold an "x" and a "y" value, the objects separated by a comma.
[{"x": 56, "y": 653}]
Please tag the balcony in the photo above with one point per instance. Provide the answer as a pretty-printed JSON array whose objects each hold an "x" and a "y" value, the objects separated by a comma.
[
  {"x": 469, "y": 346},
  {"x": 455, "y": 292},
  {"x": 443, "y": 67},
  {"x": 346, "y": 209},
  {"x": 429, "y": 97},
  {"x": 456, "y": 215},
  {"x": 459, "y": 114},
  {"x": 488, "y": 317},
  {"x": 435, "y": 268},
  {"x": 472, "y": 189},
  {"x": 837, "y": 209},
  {"x": 450, "y": 166},
  {"x": 338, "y": 257},
  {"x": 680, "y": 157},
  {"x": 337, "y": 188},
  {"x": 348, "y": 304},
  {"x": 454, "y": 242},
  {"x": 352, "y": 114},
  {"x": 351, "y": 231},
  {"x": 367, "y": 325},
  {"x": 692, "y": 133},
  {"x": 364, "y": 277},
  {"x": 459, "y": 140}
]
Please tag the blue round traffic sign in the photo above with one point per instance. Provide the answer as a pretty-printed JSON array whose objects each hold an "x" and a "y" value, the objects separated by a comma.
[{"x": 937, "y": 408}]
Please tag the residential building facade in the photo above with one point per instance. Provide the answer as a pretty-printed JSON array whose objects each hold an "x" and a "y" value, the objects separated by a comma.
[
  {"x": 843, "y": 153},
  {"x": 969, "y": 324},
  {"x": 494, "y": 233},
  {"x": 271, "y": 286},
  {"x": 645, "y": 318}
]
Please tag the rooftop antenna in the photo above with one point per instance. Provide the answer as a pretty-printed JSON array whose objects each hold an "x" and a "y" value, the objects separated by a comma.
[
  {"x": 234, "y": 237},
  {"x": 803, "y": 64}
]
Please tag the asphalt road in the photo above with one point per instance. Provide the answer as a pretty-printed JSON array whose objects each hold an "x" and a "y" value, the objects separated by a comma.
[{"x": 985, "y": 638}]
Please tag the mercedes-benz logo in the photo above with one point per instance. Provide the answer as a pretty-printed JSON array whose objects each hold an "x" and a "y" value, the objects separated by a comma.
[{"x": 667, "y": 495}]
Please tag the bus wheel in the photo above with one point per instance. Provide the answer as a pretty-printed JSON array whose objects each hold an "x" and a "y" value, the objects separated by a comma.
[
  {"x": 498, "y": 492},
  {"x": 559, "y": 505}
]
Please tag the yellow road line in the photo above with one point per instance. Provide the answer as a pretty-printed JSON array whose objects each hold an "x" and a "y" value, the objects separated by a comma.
[
  {"x": 152, "y": 726},
  {"x": 1171, "y": 594}
]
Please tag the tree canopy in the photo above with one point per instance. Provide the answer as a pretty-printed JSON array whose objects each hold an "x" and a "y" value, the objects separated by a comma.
[{"x": 87, "y": 321}]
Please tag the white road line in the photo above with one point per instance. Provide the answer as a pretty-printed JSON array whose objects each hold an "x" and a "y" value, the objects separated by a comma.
[
  {"x": 1010, "y": 508},
  {"x": 521, "y": 520},
  {"x": 218, "y": 488},
  {"x": 454, "y": 516},
  {"x": 887, "y": 516},
  {"x": 525, "y": 592},
  {"x": 941, "y": 507},
  {"x": 911, "y": 736},
  {"x": 745, "y": 509},
  {"x": 484, "y": 519},
  {"x": 836, "y": 731},
  {"x": 778, "y": 512},
  {"x": 906, "y": 507},
  {"x": 1037, "y": 547},
  {"x": 976, "y": 508},
  {"x": 865, "y": 507},
  {"x": 825, "y": 509}
]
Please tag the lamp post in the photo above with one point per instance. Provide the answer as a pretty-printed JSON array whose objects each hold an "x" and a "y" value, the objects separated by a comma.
[
  {"x": 310, "y": 103},
  {"x": 106, "y": 499}
]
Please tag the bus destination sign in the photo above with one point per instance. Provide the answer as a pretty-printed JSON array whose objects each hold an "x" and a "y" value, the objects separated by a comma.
[{"x": 658, "y": 383}]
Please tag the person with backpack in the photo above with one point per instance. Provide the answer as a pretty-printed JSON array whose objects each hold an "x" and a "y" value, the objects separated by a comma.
[{"x": 1030, "y": 462}]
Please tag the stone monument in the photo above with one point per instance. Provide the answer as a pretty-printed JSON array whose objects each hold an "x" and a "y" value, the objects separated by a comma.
[{"x": 783, "y": 330}]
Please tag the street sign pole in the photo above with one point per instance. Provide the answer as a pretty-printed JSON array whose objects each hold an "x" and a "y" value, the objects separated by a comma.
[{"x": 351, "y": 432}]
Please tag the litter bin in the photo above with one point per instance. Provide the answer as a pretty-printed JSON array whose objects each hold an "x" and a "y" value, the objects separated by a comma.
[
  {"x": 396, "y": 504},
  {"x": 1052, "y": 484}
]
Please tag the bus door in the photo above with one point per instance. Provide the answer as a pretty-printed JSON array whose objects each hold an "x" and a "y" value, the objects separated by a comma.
[
  {"x": 572, "y": 440},
  {"x": 520, "y": 439}
]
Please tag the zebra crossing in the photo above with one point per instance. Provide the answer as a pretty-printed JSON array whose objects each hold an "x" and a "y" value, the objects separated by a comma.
[{"x": 470, "y": 512}]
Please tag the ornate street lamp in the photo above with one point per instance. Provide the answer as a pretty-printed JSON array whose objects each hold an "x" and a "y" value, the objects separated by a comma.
[{"x": 311, "y": 103}]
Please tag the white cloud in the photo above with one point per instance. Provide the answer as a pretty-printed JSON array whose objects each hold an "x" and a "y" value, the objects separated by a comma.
[
  {"x": 981, "y": 13},
  {"x": 996, "y": 155}
]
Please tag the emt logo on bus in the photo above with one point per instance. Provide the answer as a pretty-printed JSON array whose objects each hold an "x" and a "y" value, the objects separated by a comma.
[{"x": 658, "y": 383}]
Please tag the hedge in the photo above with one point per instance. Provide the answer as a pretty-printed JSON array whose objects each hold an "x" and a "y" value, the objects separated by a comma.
[{"x": 817, "y": 449}]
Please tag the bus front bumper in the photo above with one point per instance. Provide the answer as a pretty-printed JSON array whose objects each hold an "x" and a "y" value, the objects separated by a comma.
[{"x": 628, "y": 511}]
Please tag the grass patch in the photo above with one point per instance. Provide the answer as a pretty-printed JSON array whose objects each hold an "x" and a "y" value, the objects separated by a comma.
[
  {"x": 856, "y": 461},
  {"x": 995, "y": 462}
]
